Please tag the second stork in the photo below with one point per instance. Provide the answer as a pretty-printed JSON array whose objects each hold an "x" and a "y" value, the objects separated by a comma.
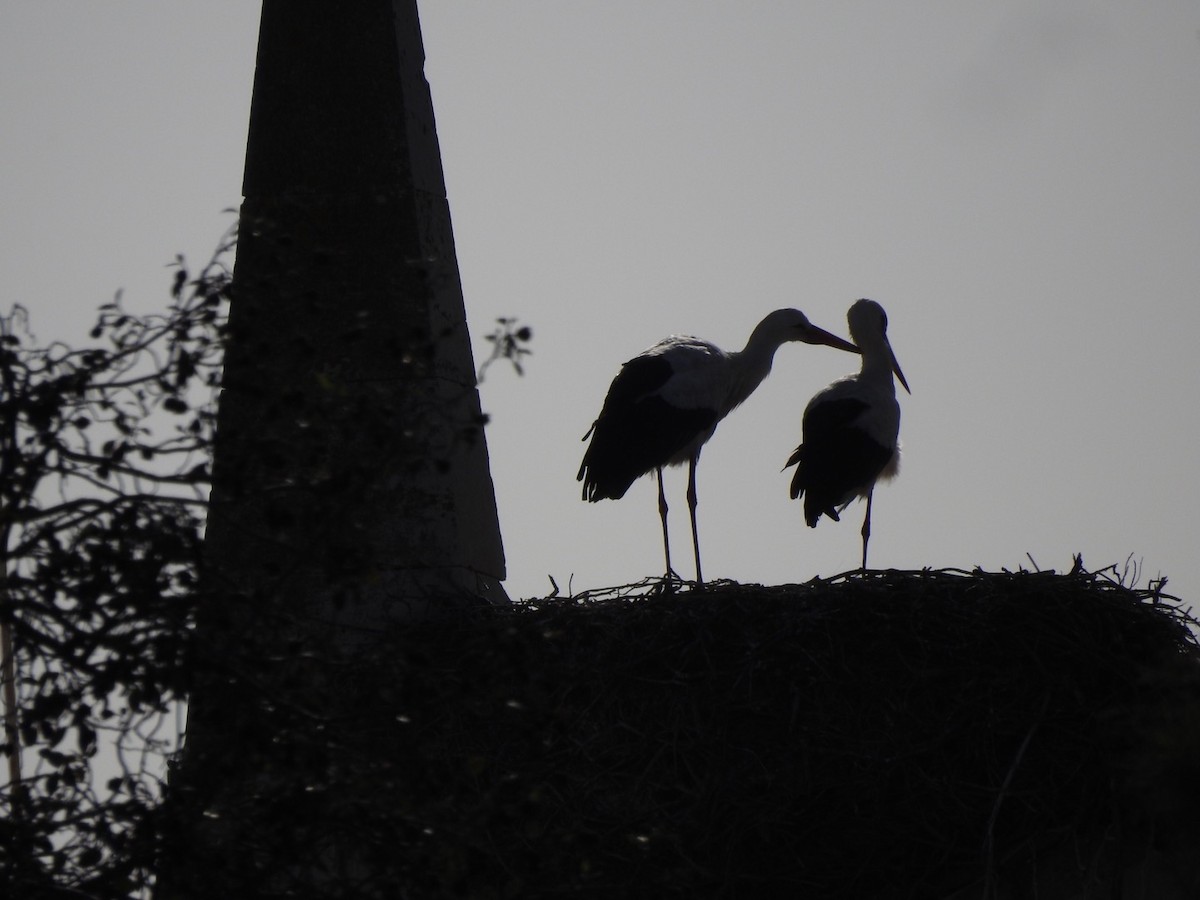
[{"x": 851, "y": 429}]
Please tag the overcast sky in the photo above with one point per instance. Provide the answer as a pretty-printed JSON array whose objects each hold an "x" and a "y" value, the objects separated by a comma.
[{"x": 1017, "y": 183}]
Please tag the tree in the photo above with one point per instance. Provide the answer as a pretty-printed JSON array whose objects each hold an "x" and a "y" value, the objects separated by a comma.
[{"x": 104, "y": 476}]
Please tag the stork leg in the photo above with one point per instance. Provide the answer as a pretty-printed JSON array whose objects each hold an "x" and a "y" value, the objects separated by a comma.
[
  {"x": 691, "y": 497},
  {"x": 662, "y": 514},
  {"x": 866, "y": 529}
]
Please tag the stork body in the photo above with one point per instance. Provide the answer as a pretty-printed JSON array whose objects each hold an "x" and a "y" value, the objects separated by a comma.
[
  {"x": 665, "y": 403},
  {"x": 851, "y": 428}
]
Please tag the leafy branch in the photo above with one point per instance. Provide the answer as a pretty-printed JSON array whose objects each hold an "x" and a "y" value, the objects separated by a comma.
[
  {"x": 105, "y": 456},
  {"x": 507, "y": 340}
]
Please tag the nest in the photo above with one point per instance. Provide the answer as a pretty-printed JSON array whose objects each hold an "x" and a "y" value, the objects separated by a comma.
[
  {"x": 879, "y": 734},
  {"x": 875, "y": 735}
]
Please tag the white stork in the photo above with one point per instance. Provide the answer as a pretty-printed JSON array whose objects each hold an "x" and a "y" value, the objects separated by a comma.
[
  {"x": 851, "y": 429},
  {"x": 666, "y": 402}
]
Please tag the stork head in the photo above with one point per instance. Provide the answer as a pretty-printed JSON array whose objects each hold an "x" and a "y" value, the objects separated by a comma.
[
  {"x": 792, "y": 325},
  {"x": 868, "y": 326}
]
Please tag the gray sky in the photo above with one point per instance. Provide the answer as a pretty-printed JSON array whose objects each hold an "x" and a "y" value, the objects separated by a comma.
[{"x": 1017, "y": 183}]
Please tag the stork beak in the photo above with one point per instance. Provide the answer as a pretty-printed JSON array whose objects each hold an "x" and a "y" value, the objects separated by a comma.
[
  {"x": 896, "y": 368},
  {"x": 815, "y": 335}
]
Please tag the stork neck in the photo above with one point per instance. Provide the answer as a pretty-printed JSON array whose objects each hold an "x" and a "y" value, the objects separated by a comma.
[
  {"x": 751, "y": 365},
  {"x": 760, "y": 347},
  {"x": 876, "y": 361}
]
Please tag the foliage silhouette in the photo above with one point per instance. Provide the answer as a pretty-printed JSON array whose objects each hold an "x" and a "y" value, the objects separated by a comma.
[
  {"x": 104, "y": 477},
  {"x": 508, "y": 342},
  {"x": 105, "y": 473}
]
